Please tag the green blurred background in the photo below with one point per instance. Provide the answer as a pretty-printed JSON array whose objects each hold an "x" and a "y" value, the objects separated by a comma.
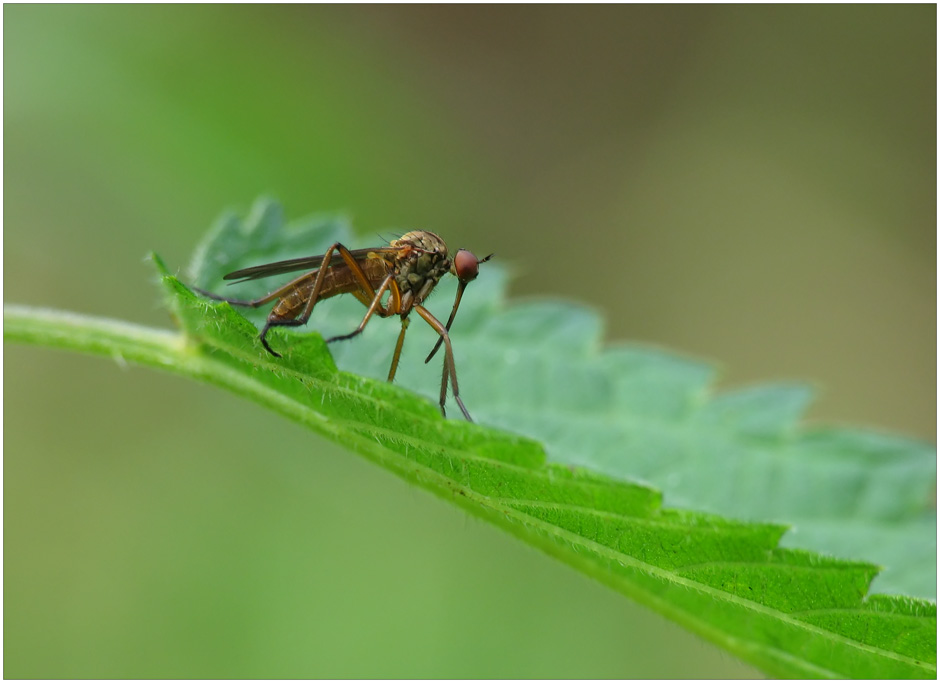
[{"x": 751, "y": 185}]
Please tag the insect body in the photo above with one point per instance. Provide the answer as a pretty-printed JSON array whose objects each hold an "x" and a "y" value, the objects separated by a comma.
[{"x": 407, "y": 270}]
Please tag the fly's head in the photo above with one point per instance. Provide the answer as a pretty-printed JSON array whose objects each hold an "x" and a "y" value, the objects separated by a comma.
[{"x": 465, "y": 266}]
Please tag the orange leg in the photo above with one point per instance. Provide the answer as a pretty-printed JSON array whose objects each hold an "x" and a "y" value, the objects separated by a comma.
[
  {"x": 398, "y": 347},
  {"x": 374, "y": 305},
  {"x": 367, "y": 295}
]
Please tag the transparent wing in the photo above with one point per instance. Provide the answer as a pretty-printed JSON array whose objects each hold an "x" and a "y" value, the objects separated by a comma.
[{"x": 303, "y": 263}]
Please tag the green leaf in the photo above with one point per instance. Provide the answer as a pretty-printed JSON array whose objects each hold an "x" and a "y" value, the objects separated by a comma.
[
  {"x": 605, "y": 416},
  {"x": 635, "y": 413}
]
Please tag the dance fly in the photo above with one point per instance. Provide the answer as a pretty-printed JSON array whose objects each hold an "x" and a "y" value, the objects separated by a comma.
[{"x": 407, "y": 270}]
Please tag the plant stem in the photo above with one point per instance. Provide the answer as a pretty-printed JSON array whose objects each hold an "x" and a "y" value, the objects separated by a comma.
[{"x": 102, "y": 336}]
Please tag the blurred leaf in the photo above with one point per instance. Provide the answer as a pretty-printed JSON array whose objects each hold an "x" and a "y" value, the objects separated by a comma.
[{"x": 791, "y": 612}]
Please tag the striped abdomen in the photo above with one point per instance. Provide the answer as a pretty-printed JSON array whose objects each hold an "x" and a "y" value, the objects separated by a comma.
[{"x": 339, "y": 279}]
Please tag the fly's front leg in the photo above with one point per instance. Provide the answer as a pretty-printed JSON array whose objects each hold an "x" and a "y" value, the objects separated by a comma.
[{"x": 450, "y": 370}]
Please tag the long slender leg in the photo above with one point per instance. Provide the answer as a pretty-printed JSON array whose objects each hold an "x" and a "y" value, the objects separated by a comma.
[
  {"x": 398, "y": 347},
  {"x": 274, "y": 321},
  {"x": 354, "y": 268},
  {"x": 366, "y": 295},
  {"x": 444, "y": 376},
  {"x": 464, "y": 280},
  {"x": 450, "y": 371},
  {"x": 450, "y": 321},
  {"x": 264, "y": 336},
  {"x": 254, "y": 303},
  {"x": 375, "y": 304}
]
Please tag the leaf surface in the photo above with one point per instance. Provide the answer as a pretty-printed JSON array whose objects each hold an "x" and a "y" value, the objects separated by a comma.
[
  {"x": 634, "y": 412},
  {"x": 612, "y": 421}
]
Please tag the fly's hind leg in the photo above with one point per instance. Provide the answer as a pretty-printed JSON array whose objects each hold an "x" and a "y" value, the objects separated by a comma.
[
  {"x": 366, "y": 294},
  {"x": 254, "y": 303},
  {"x": 273, "y": 321}
]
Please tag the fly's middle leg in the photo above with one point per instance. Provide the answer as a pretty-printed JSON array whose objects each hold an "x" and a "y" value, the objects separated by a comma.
[{"x": 398, "y": 347}]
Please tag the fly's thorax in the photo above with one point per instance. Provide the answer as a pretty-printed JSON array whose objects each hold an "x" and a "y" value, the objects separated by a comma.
[
  {"x": 421, "y": 239},
  {"x": 424, "y": 261}
]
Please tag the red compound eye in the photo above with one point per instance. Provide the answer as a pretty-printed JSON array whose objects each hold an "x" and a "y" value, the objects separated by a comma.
[{"x": 466, "y": 266}]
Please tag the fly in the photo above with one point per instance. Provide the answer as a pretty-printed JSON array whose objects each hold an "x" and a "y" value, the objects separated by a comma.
[{"x": 407, "y": 270}]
